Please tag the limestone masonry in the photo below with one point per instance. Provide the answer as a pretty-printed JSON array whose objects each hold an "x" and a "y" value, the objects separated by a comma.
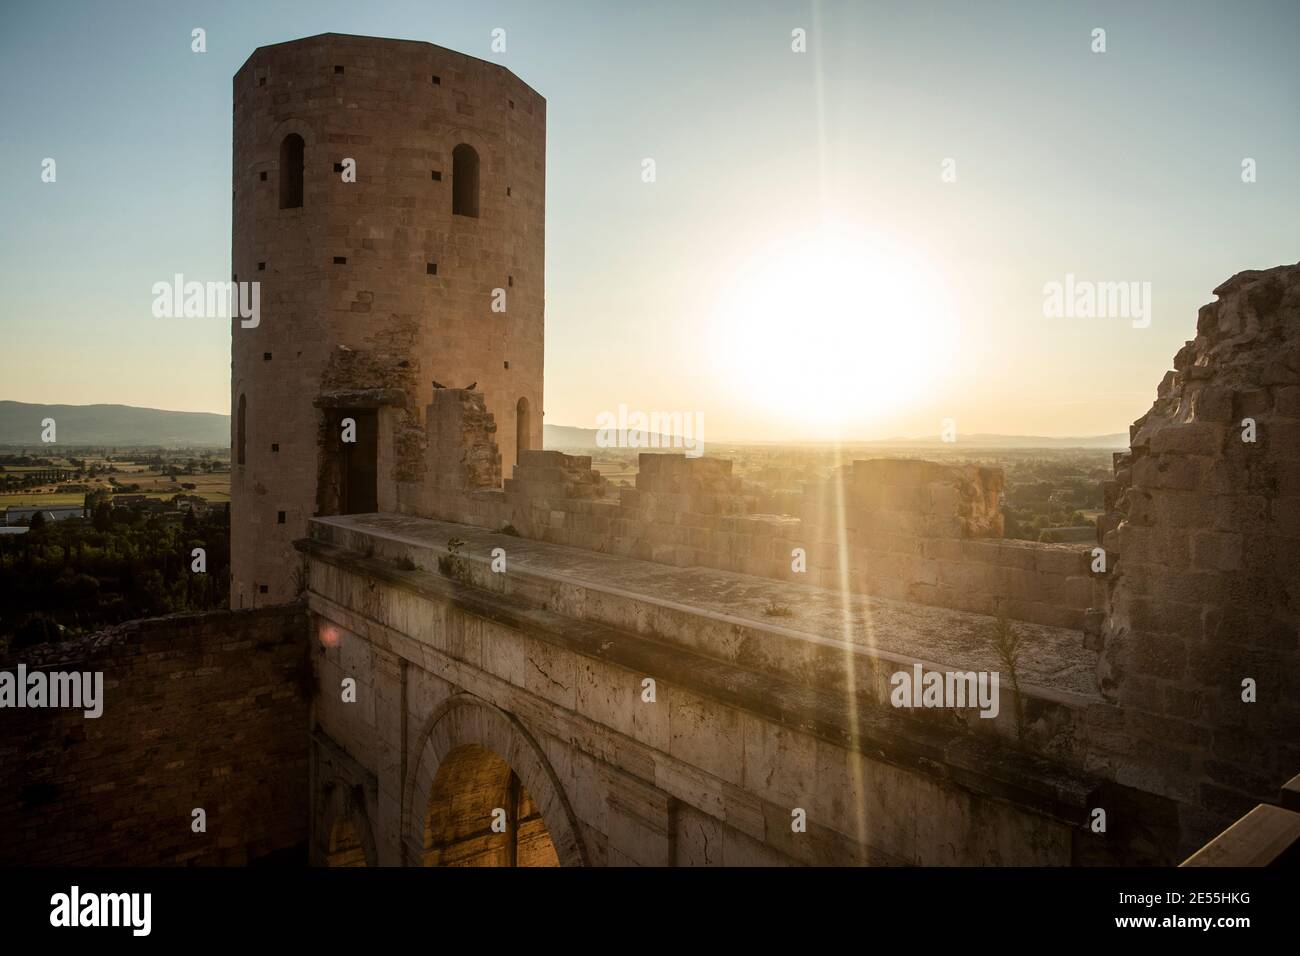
[{"x": 479, "y": 654}]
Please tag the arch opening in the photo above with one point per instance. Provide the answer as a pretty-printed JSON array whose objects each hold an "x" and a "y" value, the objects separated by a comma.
[
  {"x": 481, "y": 814},
  {"x": 464, "y": 181},
  {"x": 291, "y": 168},
  {"x": 345, "y": 846}
]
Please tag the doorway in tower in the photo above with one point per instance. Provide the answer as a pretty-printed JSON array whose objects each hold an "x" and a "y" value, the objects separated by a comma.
[{"x": 350, "y": 472}]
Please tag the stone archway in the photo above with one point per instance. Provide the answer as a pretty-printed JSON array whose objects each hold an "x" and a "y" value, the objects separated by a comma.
[
  {"x": 470, "y": 758},
  {"x": 481, "y": 814},
  {"x": 346, "y": 834}
]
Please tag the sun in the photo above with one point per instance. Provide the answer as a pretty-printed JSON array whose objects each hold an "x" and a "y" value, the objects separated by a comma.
[{"x": 826, "y": 332}]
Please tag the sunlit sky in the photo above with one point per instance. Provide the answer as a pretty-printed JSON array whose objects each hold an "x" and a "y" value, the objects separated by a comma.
[{"x": 797, "y": 270}]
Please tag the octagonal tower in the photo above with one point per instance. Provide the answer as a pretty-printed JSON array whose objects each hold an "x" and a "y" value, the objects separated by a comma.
[{"x": 426, "y": 268}]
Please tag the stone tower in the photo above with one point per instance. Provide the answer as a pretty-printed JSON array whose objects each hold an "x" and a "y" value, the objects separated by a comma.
[{"x": 389, "y": 197}]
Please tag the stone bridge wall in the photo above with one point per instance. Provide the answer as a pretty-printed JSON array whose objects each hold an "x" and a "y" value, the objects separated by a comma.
[{"x": 709, "y": 772}]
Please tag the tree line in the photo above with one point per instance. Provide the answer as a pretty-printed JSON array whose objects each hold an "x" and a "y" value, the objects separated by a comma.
[{"x": 66, "y": 578}]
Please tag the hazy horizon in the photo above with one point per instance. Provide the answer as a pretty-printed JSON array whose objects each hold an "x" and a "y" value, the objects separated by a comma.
[{"x": 798, "y": 270}]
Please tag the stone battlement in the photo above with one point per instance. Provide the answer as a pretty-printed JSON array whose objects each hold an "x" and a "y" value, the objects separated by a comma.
[{"x": 910, "y": 530}]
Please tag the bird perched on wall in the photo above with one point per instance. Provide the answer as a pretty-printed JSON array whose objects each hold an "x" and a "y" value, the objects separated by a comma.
[
  {"x": 438, "y": 384},
  {"x": 470, "y": 386}
]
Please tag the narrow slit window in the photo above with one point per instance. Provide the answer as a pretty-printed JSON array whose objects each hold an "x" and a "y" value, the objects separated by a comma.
[
  {"x": 464, "y": 181},
  {"x": 241, "y": 426},
  {"x": 291, "y": 166}
]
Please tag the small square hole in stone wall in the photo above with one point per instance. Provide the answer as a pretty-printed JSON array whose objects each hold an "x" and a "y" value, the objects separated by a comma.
[
  {"x": 507, "y": 364},
  {"x": 512, "y": 103},
  {"x": 261, "y": 81},
  {"x": 275, "y": 446},
  {"x": 431, "y": 268},
  {"x": 338, "y": 167},
  {"x": 266, "y": 356},
  {"x": 437, "y": 176},
  {"x": 507, "y": 190},
  {"x": 437, "y": 81},
  {"x": 510, "y": 281},
  {"x": 261, "y": 267},
  {"x": 261, "y": 589},
  {"x": 264, "y": 175},
  {"x": 279, "y": 517},
  {"x": 340, "y": 260},
  {"x": 338, "y": 71}
]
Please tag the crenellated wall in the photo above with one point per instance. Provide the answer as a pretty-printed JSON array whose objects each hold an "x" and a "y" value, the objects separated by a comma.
[{"x": 910, "y": 530}]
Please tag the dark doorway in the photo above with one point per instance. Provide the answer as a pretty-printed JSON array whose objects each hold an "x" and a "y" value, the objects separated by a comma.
[{"x": 358, "y": 459}]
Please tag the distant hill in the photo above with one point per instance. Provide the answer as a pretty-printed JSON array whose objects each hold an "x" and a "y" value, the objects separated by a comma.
[
  {"x": 122, "y": 425},
  {"x": 20, "y": 424},
  {"x": 569, "y": 436},
  {"x": 1115, "y": 440}
]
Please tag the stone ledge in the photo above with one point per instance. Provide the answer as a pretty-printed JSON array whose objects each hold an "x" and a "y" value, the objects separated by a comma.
[
  {"x": 360, "y": 398},
  {"x": 1056, "y": 667}
]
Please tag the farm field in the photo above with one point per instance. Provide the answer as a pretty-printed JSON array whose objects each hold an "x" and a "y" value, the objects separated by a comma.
[{"x": 132, "y": 478}]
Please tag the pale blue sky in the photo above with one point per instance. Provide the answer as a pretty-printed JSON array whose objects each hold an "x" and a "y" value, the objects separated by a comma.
[{"x": 1116, "y": 166}]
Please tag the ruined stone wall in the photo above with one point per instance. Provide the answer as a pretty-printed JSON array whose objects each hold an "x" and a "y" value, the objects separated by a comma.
[
  {"x": 909, "y": 530},
  {"x": 931, "y": 533},
  {"x": 202, "y": 710},
  {"x": 1204, "y": 582},
  {"x": 372, "y": 290}
]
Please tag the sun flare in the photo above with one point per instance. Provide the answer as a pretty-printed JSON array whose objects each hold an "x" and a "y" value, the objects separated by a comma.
[{"x": 827, "y": 331}]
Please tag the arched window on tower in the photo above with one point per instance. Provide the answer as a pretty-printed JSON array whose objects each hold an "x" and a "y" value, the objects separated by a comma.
[
  {"x": 522, "y": 429},
  {"x": 291, "y": 164},
  {"x": 464, "y": 181},
  {"x": 240, "y": 429}
]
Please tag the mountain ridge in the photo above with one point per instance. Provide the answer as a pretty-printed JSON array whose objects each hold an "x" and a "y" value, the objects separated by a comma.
[{"x": 135, "y": 426}]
